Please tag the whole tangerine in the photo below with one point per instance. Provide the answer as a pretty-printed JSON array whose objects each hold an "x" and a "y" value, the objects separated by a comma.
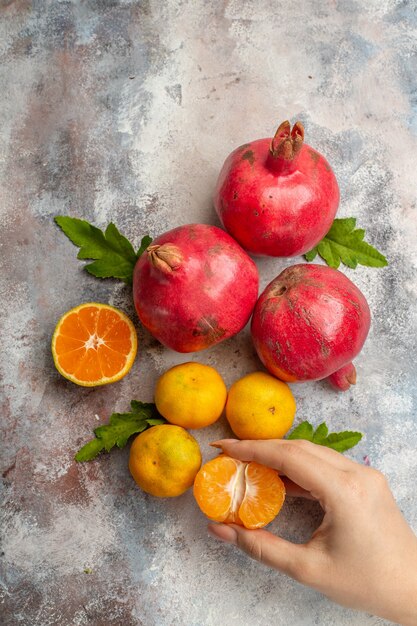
[
  {"x": 164, "y": 460},
  {"x": 191, "y": 395},
  {"x": 260, "y": 406}
]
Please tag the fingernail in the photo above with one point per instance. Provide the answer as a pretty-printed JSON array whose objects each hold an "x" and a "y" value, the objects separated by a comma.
[
  {"x": 223, "y": 532},
  {"x": 222, "y": 442}
]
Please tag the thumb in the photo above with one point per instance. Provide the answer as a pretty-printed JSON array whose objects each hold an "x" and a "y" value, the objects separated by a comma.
[{"x": 290, "y": 558}]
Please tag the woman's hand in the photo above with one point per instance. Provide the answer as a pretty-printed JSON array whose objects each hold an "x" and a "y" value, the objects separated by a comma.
[{"x": 363, "y": 555}]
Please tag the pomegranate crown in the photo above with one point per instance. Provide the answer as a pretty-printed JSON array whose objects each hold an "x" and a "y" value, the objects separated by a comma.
[
  {"x": 166, "y": 257},
  {"x": 287, "y": 143}
]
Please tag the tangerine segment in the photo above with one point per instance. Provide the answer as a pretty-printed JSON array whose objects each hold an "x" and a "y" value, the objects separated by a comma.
[
  {"x": 264, "y": 496},
  {"x": 232, "y": 491},
  {"x": 94, "y": 344},
  {"x": 217, "y": 486}
]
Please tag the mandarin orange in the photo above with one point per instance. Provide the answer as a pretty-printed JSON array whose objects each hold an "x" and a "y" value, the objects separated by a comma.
[
  {"x": 164, "y": 460},
  {"x": 191, "y": 395},
  {"x": 260, "y": 406},
  {"x": 232, "y": 491},
  {"x": 94, "y": 344}
]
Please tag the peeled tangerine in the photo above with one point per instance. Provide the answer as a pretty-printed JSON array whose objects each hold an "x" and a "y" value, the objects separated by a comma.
[
  {"x": 278, "y": 196},
  {"x": 232, "y": 491},
  {"x": 194, "y": 287},
  {"x": 309, "y": 323}
]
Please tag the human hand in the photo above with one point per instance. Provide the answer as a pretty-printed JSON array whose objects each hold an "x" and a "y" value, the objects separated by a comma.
[{"x": 363, "y": 555}]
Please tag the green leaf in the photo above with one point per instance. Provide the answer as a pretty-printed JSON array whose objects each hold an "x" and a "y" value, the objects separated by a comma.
[
  {"x": 90, "y": 450},
  {"x": 111, "y": 267},
  {"x": 156, "y": 421},
  {"x": 137, "y": 405},
  {"x": 343, "y": 441},
  {"x": 345, "y": 244},
  {"x": 337, "y": 441},
  {"x": 119, "y": 242},
  {"x": 321, "y": 432},
  {"x": 302, "y": 431},
  {"x": 120, "y": 428},
  {"x": 146, "y": 241},
  {"x": 113, "y": 255},
  {"x": 310, "y": 256}
]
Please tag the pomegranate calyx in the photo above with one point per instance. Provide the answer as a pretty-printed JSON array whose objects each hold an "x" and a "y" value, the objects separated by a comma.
[
  {"x": 287, "y": 143},
  {"x": 165, "y": 257}
]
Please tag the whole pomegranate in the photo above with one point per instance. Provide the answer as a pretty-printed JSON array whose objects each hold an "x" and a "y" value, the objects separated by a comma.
[
  {"x": 278, "y": 196},
  {"x": 194, "y": 287},
  {"x": 309, "y": 323}
]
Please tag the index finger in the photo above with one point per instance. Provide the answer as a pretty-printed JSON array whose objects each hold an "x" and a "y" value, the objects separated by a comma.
[{"x": 295, "y": 459}]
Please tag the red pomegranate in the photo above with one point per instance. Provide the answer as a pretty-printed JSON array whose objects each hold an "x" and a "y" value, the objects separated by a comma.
[
  {"x": 194, "y": 287},
  {"x": 309, "y": 323},
  {"x": 277, "y": 197}
]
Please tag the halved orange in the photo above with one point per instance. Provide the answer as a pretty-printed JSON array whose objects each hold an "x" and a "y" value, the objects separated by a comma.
[
  {"x": 94, "y": 344},
  {"x": 232, "y": 491}
]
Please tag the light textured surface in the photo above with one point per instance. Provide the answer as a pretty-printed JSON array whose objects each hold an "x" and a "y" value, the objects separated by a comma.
[{"x": 124, "y": 111}]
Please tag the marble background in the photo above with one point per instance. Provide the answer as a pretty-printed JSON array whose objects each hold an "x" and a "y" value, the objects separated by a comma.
[{"x": 124, "y": 110}]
